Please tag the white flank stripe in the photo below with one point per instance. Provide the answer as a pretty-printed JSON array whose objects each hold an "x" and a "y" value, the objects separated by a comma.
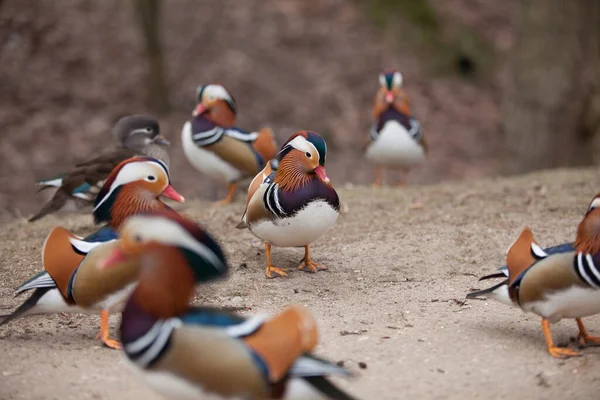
[
  {"x": 276, "y": 198},
  {"x": 538, "y": 251},
  {"x": 246, "y": 327},
  {"x": 245, "y": 137},
  {"x": 145, "y": 340},
  {"x": 86, "y": 247},
  {"x": 590, "y": 261},
  {"x": 206, "y": 134},
  {"x": 581, "y": 268},
  {"x": 160, "y": 341}
]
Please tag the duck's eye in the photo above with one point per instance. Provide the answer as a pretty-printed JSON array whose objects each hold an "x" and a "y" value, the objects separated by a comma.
[
  {"x": 149, "y": 130},
  {"x": 150, "y": 178},
  {"x": 308, "y": 154},
  {"x": 137, "y": 238}
]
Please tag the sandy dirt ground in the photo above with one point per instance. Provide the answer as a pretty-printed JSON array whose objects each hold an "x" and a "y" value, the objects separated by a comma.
[{"x": 401, "y": 262}]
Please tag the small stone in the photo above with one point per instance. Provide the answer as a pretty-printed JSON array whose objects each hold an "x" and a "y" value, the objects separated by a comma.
[
  {"x": 362, "y": 365},
  {"x": 236, "y": 300},
  {"x": 296, "y": 291},
  {"x": 340, "y": 363}
]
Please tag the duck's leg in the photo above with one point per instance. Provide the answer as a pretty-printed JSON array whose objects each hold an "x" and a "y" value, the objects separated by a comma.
[
  {"x": 309, "y": 266},
  {"x": 402, "y": 181},
  {"x": 558, "y": 352},
  {"x": 378, "y": 177},
  {"x": 230, "y": 195},
  {"x": 584, "y": 337},
  {"x": 103, "y": 334},
  {"x": 271, "y": 269}
]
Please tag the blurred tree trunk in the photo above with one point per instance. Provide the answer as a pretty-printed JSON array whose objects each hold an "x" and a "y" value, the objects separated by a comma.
[
  {"x": 148, "y": 14},
  {"x": 552, "y": 101}
]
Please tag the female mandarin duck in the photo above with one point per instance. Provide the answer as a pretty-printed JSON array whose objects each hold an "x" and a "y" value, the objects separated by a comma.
[
  {"x": 395, "y": 140},
  {"x": 189, "y": 352},
  {"x": 136, "y": 135},
  {"x": 70, "y": 282},
  {"x": 561, "y": 285},
  {"x": 295, "y": 205},
  {"x": 216, "y": 148}
]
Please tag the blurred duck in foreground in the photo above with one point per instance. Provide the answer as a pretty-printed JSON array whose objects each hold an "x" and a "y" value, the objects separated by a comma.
[
  {"x": 218, "y": 149},
  {"x": 396, "y": 140},
  {"x": 136, "y": 135},
  {"x": 559, "y": 285},
  {"x": 295, "y": 205},
  {"x": 187, "y": 352},
  {"x": 70, "y": 281}
]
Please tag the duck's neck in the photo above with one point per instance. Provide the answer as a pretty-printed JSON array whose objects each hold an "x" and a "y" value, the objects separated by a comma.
[
  {"x": 291, "y": 176},
  {"x": 157, "y": 151},
  {"x": 130, "y": 201}
]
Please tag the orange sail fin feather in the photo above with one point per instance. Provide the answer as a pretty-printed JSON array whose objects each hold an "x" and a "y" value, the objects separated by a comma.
[
  {"x": 282, "y": 339},
  {"x": 519, "y": 256},
  {"x": 59, "y": 258},
  {"x": 265, "y": 144}
]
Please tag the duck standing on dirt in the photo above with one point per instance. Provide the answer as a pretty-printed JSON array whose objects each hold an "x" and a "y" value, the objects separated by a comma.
[
  {"x": 200, "y": 352},
  {"x": 395, "y": 140},
  {"x": 499, "y": 291},
  {"x": 136, "y": 135},
  {"x": 219, "y": 150},
  {"x": 561, "y": 285},
  {"x": 70, "y": 281},
  {"x": 295, "y": 205}
]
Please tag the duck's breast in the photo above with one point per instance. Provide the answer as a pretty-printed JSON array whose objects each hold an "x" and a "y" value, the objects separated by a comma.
[
  {"x": 304, "y": 227},
  {"x": 394, "y": 146}
]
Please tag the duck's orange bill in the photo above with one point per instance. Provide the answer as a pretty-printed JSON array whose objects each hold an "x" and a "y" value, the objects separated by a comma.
[
  {"x": 200, "y": 108},
  {"x": 389, "y": 97},
  {"x": 172, "y": 194},
  {"x": 117, "y": 256},
  {"x": 321, "y": 173}
]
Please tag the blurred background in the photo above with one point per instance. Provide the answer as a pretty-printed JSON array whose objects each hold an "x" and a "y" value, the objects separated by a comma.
[{"x": 500, "y": 87}]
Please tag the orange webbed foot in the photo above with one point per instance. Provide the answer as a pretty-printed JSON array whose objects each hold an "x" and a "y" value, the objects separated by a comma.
[
  {"x": 584, "y": 338},
  {"x": 230, "y": 195},
  {"x": 562, "y": 352},
  {"x": 103, "y": 334},
  {"x": 273, "y": 271},
  {"x": 309, "y": 266}
]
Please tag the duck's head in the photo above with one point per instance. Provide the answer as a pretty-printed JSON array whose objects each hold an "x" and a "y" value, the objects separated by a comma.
[
  {"x": 173, "y": 253},
  {"x": 216, "y": 103},
  {"x": 134, "y": 186},
  {"x": 390, "y": 83},
  {"x": 301, "y": 157},
  {"x": 588, "y": 231},
  {"x": 138, "y": 131},
  {"x": 391, "y": 95}
]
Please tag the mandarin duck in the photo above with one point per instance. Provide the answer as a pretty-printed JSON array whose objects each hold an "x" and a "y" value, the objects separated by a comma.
[
  {"x": 218, "y": 149},
  {"x": 135, "y": 135},
  {"x": 69, "y": 282},
  {"x": 499, "y": 291},
  {"x": 560, "y": 285},
  {"x": 395, "y": 140},
  {"x": 295, "y": 205},
  {"x": 187, "y": 352}
]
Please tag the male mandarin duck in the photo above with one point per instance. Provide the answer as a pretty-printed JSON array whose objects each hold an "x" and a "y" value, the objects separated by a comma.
[
  {"x": 70, "y": 280},
  {"x": 499, "y": 291},
  {"x": 136, "y": 135},
  {"x": 560, "y": 285},
  {"x": 216, "y": 148},
  {"x": 396, "y": 139},
  {"x": 295, "y": 205},
  {"x": 187, "y": 352}
]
